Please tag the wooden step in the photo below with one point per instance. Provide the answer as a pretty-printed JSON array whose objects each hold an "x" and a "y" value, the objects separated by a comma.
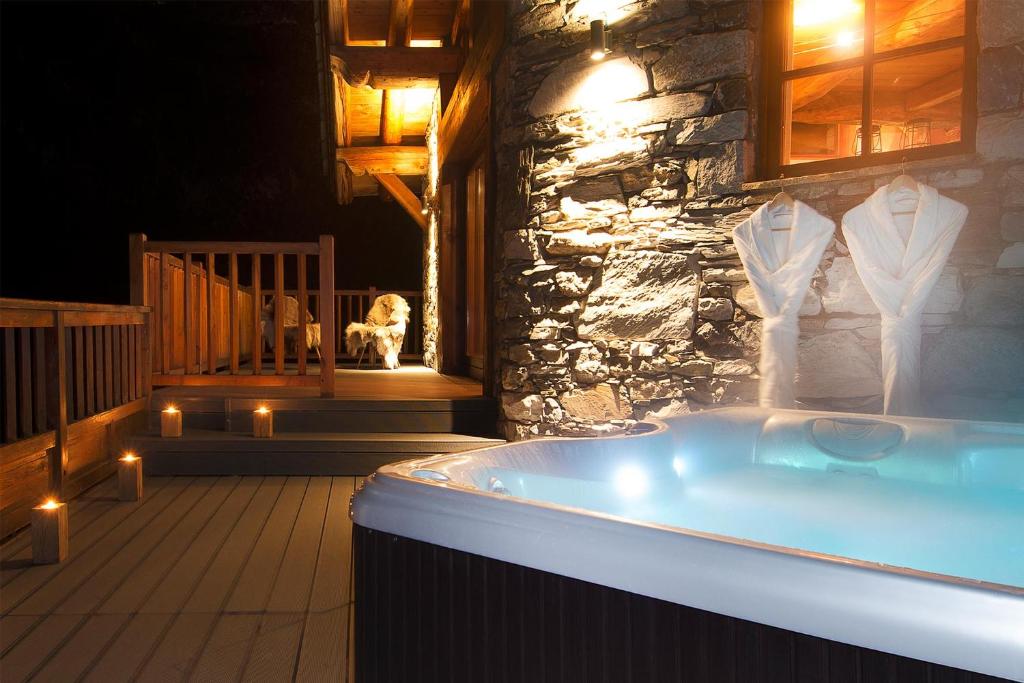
[
  {"x": 212, "y": 452},
  {"x": 473, "y": 416}
]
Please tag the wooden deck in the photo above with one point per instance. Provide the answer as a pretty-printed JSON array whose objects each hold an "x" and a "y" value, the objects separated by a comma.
[
  {"x": 205, "y": 579},
  {"x": 407, "y": 382}
]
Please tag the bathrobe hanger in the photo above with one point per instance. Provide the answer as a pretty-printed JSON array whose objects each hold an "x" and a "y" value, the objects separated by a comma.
[
  {"x": 781, "y": 204},
  {"x": 903, "y": 182}
]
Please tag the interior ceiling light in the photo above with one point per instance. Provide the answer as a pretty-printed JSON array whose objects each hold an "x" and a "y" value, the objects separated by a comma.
[{"x": 599, "y": 40}]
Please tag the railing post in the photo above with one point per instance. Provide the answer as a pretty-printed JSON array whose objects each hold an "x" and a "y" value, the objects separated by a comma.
[
  {"x": 137, "y": 269},
  {"x": 326, "y": 304},
  {"x": 57, "y": 374}
]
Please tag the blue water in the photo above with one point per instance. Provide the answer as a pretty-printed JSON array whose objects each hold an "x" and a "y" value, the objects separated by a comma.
[{"x": 974, "y": 533}]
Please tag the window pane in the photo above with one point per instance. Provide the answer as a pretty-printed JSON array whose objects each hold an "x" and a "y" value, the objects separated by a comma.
[
  {"x": 899, "y": 23},
  {"x": 825, "y": 31},
  {"x": 822, "y": 116},
  {"x": 918, "y": 100}
]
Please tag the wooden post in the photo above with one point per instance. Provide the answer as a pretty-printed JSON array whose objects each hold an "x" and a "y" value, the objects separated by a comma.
[
  {"x": 327, "y": 315},
  {"x": 211, "y": 350},
  {"x": 187, "y": 269},
  {"x": 10, "y": 388},
  {"x": 137, "y": 269},
  {"x": 57, "y": 400},
  {"x": 257, "y": 306},
  {"x": 233, "y": 312},
  {"x": 279, "y": 313},
  {"x": 300, "y": 346}
]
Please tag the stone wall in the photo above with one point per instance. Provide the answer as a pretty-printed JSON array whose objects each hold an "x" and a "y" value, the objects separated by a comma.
[{"x": 619, "y": 293}]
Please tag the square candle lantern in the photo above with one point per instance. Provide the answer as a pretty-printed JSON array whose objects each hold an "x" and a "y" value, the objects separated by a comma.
[
  {"x": 170, "y": 422},
  {"x": 49, "y": 532},
  {"x": 263, "y": 422},
  {"x": 129, "y": 477}
]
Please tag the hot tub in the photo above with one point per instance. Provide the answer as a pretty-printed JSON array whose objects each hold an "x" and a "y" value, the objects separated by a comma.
[{"x": 729, "y": 545}]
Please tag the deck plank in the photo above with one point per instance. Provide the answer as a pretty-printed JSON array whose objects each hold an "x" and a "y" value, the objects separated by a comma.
[
  {"x": 78, "y": 653},
  {"x": 151, "y": 572},
  {"x": 188, "y": 571},
  {"x": 121, "y": 570},
  {"x": 324, "y": 640},
  {"x": 205, "y": 579},
  {"x": 35, "y": 648},
  {"x": 280, "y": 634},
  {"x": 218, "y": 581},
  {"x": 125, "y": 656},
  {"x": 88, "y": 551},
  {"x": 257, "y": 578}
]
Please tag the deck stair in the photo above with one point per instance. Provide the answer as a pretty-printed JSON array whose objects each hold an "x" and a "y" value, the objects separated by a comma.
[{"x": 312, "y": 436}]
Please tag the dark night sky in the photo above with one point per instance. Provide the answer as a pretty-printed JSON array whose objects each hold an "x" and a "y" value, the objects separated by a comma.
[{"x": 183, "y": 120}]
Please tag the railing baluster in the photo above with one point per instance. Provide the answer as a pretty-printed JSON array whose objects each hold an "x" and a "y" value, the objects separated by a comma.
[
  {"x": 108, "y": 368},
  {"x": 326, "y": 270},
  {"x": 257, "y": 309},
  {"x": 279, "y": 313},
  {"x": 123, "y": 372},
  {"x": 10, "y": 388},
  {"x": 39, "y": 376},
  {"x": 100, "y": 374},
  {"x": 129, "y": 372},
  {"x": 233, "y": 312},
  {"x": 211, "y": 348},
  {"x": 115, "y": 366},
  {"x": 164, "y": 315},
  {"x": 90, "y": 371},
  {"x": 58, "y": 386},
  {"x": 187, "y": 270},
  {"x": 25, "y": 381},
  {"x": 300, "y": 343},
  {"x": 78, "y": 376}
]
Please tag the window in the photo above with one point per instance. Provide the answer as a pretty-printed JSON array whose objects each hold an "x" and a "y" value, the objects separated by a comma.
[{"x": 852, "y": 83}]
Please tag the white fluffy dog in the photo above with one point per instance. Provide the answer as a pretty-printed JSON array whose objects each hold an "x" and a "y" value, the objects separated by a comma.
[{"x": 385, "y": 327}]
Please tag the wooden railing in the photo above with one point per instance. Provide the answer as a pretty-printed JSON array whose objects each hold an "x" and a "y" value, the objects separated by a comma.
[
  {"x": 351, "y": 305},
  {"x": 208, "y": 331},
  {"x": 75, "y": 377}
]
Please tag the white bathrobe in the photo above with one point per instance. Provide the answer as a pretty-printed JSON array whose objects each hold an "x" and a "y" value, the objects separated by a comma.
[
  {"x": 779, "y": 266},
  {"x": 899, "y": 260}
]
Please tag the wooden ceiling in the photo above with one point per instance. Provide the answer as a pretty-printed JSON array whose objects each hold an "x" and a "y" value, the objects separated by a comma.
[{"x": 388, "y": 57}]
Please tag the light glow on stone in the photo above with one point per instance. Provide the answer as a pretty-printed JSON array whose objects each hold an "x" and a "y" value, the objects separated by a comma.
[
  {"x": 631, "y": 481},
  {"x": 609, "y": 10}
]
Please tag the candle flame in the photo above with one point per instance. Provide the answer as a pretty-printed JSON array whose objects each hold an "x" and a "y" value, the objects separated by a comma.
[
  {"x": 50, "y": 504},
  {"x": 263, "y": 410},
  {"x": 129, "y": 457},
  {"x": 171, "y": 409}
]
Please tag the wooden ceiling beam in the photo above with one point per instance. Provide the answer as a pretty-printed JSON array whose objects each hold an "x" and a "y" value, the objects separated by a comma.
[
  {"x": 937, "y": 91},
  {"x": 396, "y": 67},
  {"x": 460, "y": 22},
  {"x": 392, "y": 109},
  {"x": 337, "y": 21},
  {"x": 396, "y": 159},
  {"x": 400, "y": 23},
  {"x": 404, "y": 196}
]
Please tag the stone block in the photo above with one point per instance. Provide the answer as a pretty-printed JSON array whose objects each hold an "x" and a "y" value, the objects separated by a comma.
[
  {"x": 642, "y": 295},
  {"x": 715, "y": 309},
  {"x": 583, "y": 84},
  {"x": 732, "y": 125},
  {"x": 705, "y": 57},
  {"x": 721, "y": 168},
  {"x": 573, "y": 283},
  {"x": 1000, "y": 22},
  {"x": 844, "y": 292},
  {"x": 960, "y": 178},
  {"x": 1012, "y": 256},
  {"x": 1000, "y": 78},
  {"x": 519, "y": 245},
  {"x": 695, "y": 368},
  {"x": 599, "y": 403},
  {"x": 975, "y": 360},
  {"x": 577, "y": 242},
  {"x": 734, "y": 367},
  {"x": 836, "y": 365},
  {"x": 947, "y": 295},
  {"x": 1001, "y": 136},
  {"x": 1011, "y": 226},
  {"x": 522, "y": 408}
]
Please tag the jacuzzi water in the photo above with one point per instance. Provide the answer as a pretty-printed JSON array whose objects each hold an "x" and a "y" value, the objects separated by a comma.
[{"x": 963, "y": 532}]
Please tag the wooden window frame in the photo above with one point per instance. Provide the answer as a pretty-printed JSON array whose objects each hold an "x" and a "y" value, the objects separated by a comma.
[{"x": 778, "y": 24}]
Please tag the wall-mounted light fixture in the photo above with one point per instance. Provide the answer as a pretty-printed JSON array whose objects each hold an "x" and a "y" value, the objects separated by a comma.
[{"x": 600, "y": 40}]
